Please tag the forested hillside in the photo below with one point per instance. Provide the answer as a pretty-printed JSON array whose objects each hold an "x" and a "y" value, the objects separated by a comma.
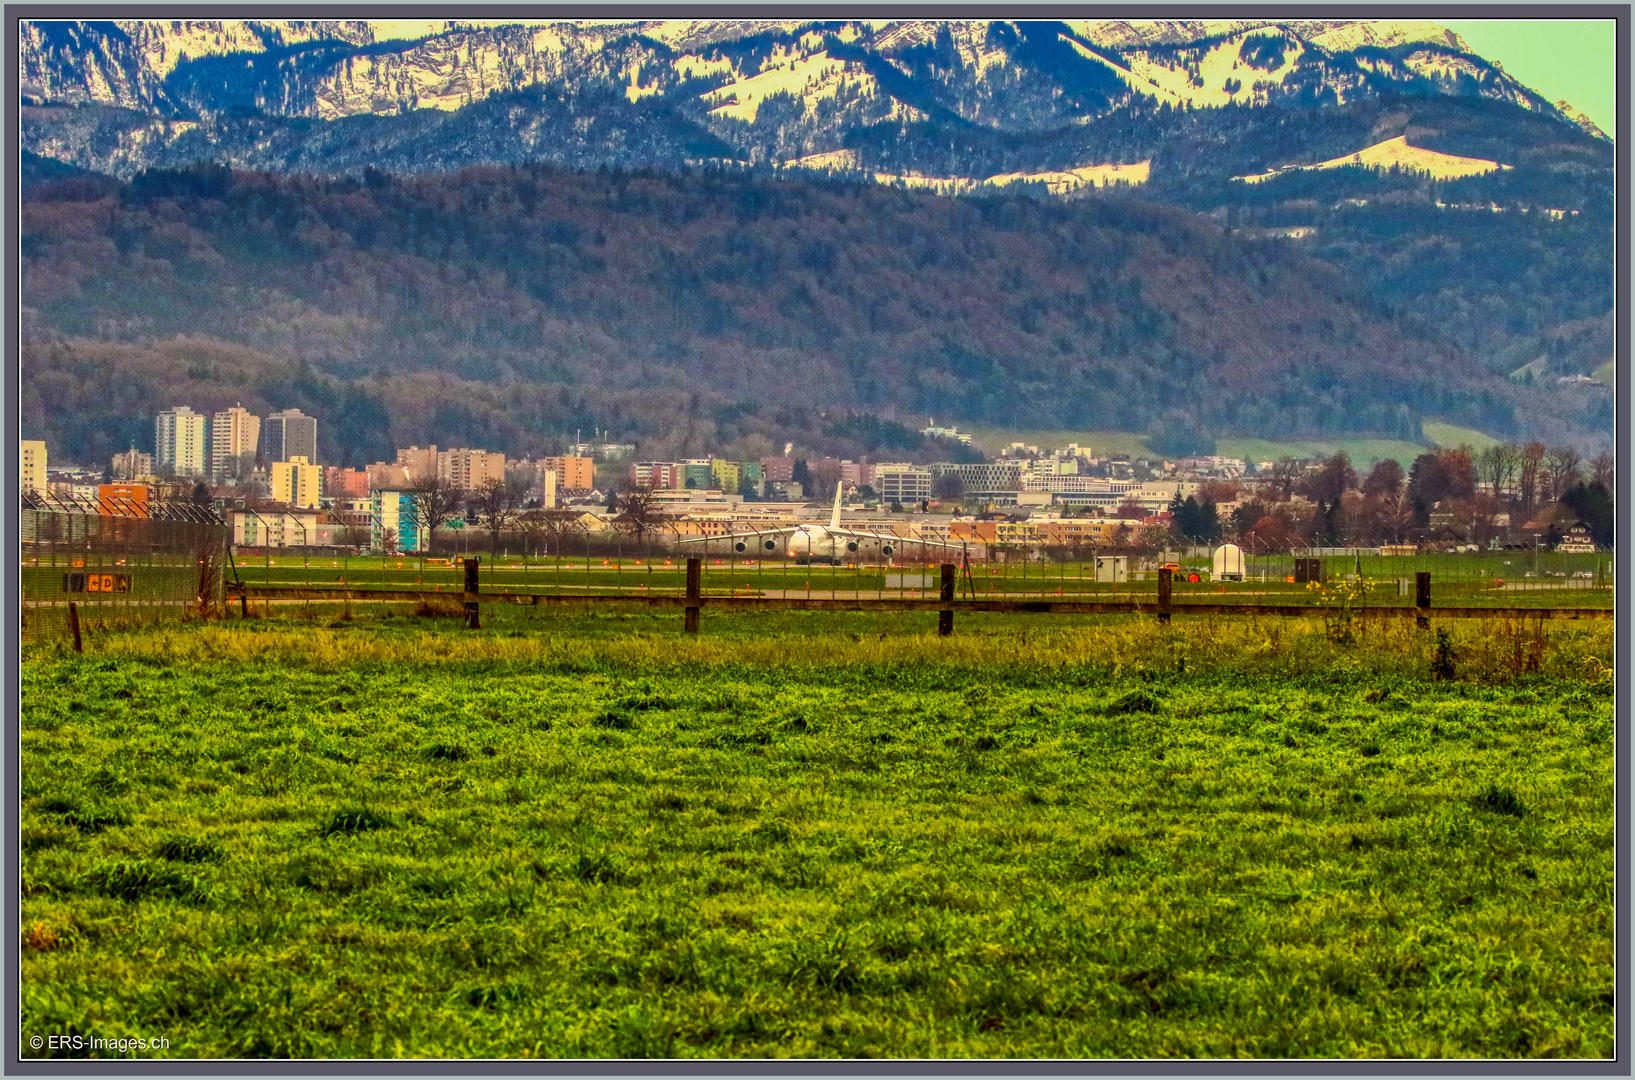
[{"x": 500, "y": 305}]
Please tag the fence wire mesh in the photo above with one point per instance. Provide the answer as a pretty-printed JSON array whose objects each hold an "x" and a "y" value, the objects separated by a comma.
[{"x": 116, "y": 570}]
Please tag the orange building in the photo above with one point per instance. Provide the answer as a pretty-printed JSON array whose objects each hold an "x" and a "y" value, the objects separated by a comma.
[
  {"x": 116, "y": 498},
  {"x": 572, "y": 472}
]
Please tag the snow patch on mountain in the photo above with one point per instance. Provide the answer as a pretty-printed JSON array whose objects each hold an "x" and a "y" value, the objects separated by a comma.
[
  {"x": 1060, "y": 182},
  {"x": 1385, "y": 34},
  {"x": 1395, "y": 152},
  {"x": 1221, "y": 76},
  {"x": 809, "y": 78}
]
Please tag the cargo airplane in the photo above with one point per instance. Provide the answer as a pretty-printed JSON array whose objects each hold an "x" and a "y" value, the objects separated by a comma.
[{"x": 815, "y": 541}]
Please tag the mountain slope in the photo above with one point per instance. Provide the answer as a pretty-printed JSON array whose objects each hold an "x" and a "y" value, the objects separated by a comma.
[{"x": 498, "y": 304}]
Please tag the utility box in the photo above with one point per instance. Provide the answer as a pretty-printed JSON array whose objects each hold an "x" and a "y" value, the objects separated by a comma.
[
  {"x": 1308, "y": 571},
  {"x": 1227, "y": 563},
  {"x": 1112, "y": 569}
]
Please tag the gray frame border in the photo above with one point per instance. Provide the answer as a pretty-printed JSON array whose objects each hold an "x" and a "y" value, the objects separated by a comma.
[{"x": 12, "y": 1063}]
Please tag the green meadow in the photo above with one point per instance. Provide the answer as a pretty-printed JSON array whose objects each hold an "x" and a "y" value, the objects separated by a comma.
[{"x": 582, "y": 834}]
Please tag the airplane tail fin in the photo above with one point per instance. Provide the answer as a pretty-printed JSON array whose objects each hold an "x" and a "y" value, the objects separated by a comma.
[{"x": 834, "y": 520}]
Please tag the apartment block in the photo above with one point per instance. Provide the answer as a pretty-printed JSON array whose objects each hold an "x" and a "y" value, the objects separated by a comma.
[
  {"x": 724, "y": 474},
  {"x": 420, "y": 464},
  {"x": 235, "y": 436},
  {"x": 386, "y": 475},
  {"x": 32, "y": 457},
  {"x": 296, "y": 482},
  {"x": 469, "y": 470},
  {"x": 573, "y": 472},
  {"x": 778, "y": 468},
  {"x": 179, "y": 445},
  {"x": 392, "y": 522},
  {"x": 658, "y": 474},
  {"x": 695, "y": 473},
  {"x": 342, "y": 483},
  {"x": 288, "y": 435}
]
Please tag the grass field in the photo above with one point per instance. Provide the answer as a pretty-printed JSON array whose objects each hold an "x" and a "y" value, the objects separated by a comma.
[{"x": 820, "y": 835}]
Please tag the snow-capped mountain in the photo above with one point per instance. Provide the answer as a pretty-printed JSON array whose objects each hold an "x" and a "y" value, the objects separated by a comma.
[{"x": 760, "y": 91}]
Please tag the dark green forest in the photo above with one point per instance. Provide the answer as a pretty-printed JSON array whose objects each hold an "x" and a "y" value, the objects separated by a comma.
[{"x": 500, "y": 306}]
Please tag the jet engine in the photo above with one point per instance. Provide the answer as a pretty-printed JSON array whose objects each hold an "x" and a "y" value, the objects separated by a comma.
[
  {"x": 886, "y": 549},
  {"x": 851, "y": 545},
  {"x": 740, "y": 546},
  {"x": 770, "y": 545}
]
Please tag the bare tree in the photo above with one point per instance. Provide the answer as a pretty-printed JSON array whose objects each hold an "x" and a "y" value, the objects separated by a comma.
[
  {"x": 435, "y": 501},
  {"x": 639, "y": 514},
  {"x": 497, "y": 503},
  {"x": 1496, "y": 466},
  {"x": 1562, "y": 466},
  {"x": 1605, "y": 468},
  {"x": 548, "y": 527},
  {"x": 1285, "y": 473},
  {"x": 1532, "y": 458}
]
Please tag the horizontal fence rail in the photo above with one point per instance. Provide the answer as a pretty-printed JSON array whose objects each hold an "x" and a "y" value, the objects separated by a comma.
[{"x": 695, "y": 598}]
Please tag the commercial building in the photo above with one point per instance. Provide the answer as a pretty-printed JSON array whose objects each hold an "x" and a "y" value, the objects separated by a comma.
[
  {"x": 297, "y": 482},
  {"x": 179, "y": 446},
  {"x": 288, "y": 435},
  {"x": 902, "y": 483},
  {"x": 392, "y": 522},
  {"x": 125, "y": 498},
  {"x": 132, "y": 464},
  {"x": 270, "y": 528},
  {"x": 975, "y": 479},
  {"x": 32, "y": 457},
  {"x": 235, "y": 435},
  {"x": 573, "y": 472}
]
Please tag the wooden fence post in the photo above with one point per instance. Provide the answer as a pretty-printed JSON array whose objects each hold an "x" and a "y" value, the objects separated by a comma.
[
  {"x": 73, "y": 624},
  {"x": 1165, "y": 576},
  {"x": 695, "y": 589},
  {"x": 473, "y": 609},
  {"x": 945, "y": 617},
  {"x": 1422, "y": 599}
]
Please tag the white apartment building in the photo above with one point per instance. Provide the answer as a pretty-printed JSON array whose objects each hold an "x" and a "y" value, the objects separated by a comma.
[
  {"x": 234, "y": 435},
  {"x": 179, "y": 442},
  {"x": 32, "y": 456}
]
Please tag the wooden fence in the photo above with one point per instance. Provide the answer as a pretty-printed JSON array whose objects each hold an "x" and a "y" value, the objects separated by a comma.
[{"x": 693, "y": 602}]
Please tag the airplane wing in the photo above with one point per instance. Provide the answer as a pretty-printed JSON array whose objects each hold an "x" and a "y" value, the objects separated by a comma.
[{"x": 750, "y": 534}]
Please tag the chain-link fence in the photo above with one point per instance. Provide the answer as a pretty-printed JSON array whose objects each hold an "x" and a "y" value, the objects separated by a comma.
[{"x": 117, "y": 570}]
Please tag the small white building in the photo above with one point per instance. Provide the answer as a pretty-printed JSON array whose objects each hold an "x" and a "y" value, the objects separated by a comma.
[{"x": 1227, "y": 563}]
